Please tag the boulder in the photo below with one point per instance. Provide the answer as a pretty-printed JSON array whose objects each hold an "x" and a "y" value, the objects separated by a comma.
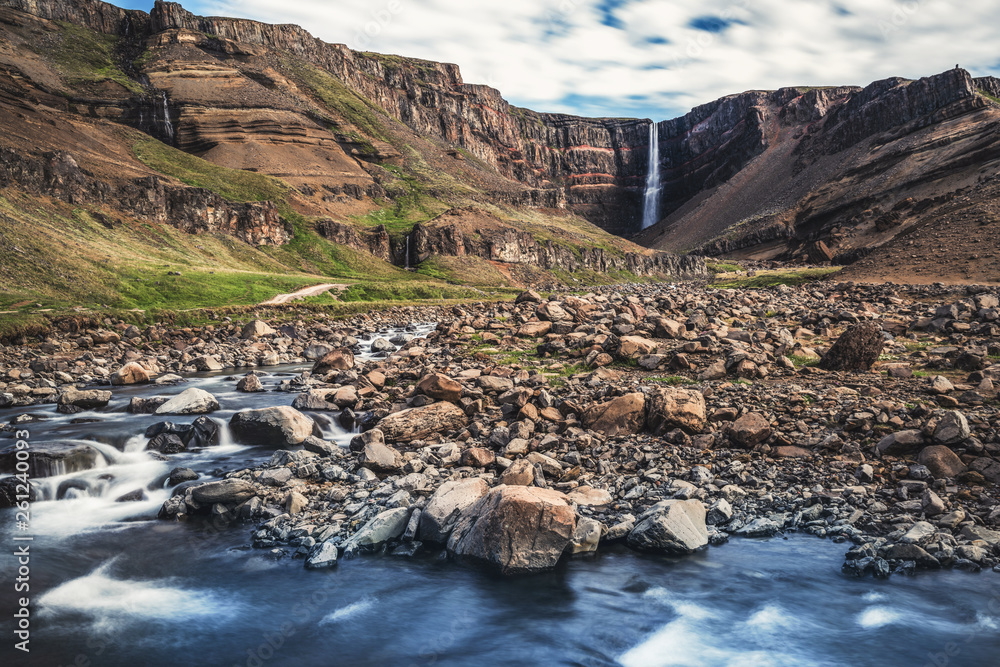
[
  {"x": 624, "y": 415},
  {"x": 529, "y": 296},
  {"x": 385, "y": 526},
  {"x": 856, "y": 350},
  {"x": 478, "y": 457},
  {"x": 207, "y": 363},
  {"x": 315, "y": 400},
  {"x": 90, "y": 399},
  {"x": 422, "y": 423},
  {"x": 534, "y": 329},
  {"x": 750, "y": 430},
  {"x": 250, "y": 384},
  {"x": 131, "y": 373},
  {"x": 341, "y": 359},
  {"x": 225, "y": 492},
  {"x": 191, "y": 401},
  {"x": 446, "y": 505},
  {"x": 519, "y": 473},
  {"x": 901, "y": 443},
  {"x": 941, "y": 461},
  {"x": 50, "y": 459},
  {"x": 674, "y": 527},
  {"x": 256, "y": 329},
  {"x": 278, "y": 427},
  {"x": 322, "y": 556},
  {"x": 515, "y": 529},
  {"x": 952, "y": 429},
  {"x": 382, "y": 458},
  {"x": 440, "y": 387},
  {"x": 672, "y": 408},
  {"x": 633, "y": 347},
  {"x": 587, "y": 536},
  {"x": 586, "y": 496}
]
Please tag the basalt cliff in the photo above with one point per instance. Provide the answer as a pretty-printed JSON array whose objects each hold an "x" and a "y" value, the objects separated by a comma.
[{"x": 391, "y": 155}]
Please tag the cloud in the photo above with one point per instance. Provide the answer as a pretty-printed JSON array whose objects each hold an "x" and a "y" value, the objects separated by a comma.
[{"x": 651, "y": 58}]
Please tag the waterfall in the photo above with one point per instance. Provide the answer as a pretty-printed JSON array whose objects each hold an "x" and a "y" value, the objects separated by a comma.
[
  {"x": 167, "y": 125},
  {"x": 408, "y": 244},
  {"x": 651, "y": 201}
]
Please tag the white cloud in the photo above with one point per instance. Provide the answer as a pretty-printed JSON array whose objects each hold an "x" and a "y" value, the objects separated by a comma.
[{"x": 568, "y": 56}]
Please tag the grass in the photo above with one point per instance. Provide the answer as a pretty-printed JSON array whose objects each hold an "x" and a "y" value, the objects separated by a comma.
[
  {"x": 767, "y": 279},
  {"x": 801, "y": 360},
  {"x": 991, "y": 98},
  {"x": 337, "y": 97},
  {"x": 407, "y": 292},
  {"x": 233, "y": 184},
  {"x": 86, "y": 57},
  {"x": 722, "y": 267}
]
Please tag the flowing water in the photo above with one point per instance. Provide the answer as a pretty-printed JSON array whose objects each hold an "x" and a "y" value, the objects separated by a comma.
[
  {"x": 168, "y": 126},
  {"x": 651, "y": 200},
  {"x": 111, "y": 585}
]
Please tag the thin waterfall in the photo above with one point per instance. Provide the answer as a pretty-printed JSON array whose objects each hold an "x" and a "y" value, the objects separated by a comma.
[
  {"x": 651, "y": 201},
  {"x": 167, "y": 125},
  {"x": 408, "y": 242}
]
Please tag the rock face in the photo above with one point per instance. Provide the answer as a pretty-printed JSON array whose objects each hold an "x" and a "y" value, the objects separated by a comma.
[
  {"x": 192, "y": 210},
  {"x": 515, "y": 529},
  {"x": 675, "y": 527},
  {"x": 446, "y": 505},
  {"x": 856, "y": 350},
  {"x": 278, "y": 427},
  {"x": 421, "y": 423}
]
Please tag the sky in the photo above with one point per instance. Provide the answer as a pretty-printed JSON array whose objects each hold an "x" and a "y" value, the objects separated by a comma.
[{"x": 649, "y": 58}]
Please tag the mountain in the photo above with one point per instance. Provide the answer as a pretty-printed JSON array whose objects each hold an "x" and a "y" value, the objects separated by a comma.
[
  {"x": 125, "y": 133},
  {"x": 901, "y": 173},
  {"x": 148, "y": 142}
]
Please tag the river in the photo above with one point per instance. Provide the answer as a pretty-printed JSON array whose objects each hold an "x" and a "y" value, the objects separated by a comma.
[{"x": 111, "y": 585}]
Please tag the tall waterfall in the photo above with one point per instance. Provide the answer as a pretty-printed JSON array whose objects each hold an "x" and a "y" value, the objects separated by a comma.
[
  {"x": 167, "y": 125},
  {"x": 651, "y": 202}
]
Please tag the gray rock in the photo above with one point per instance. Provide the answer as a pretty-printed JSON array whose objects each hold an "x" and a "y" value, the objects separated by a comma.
[
  {"x": 277, "y": 427},
  {"x": 322, "y": 556},
  {"x": 952, "y": 429},
  {"x": 191, "y": 401},
  {"x": 227, "y": 491},
  {"x": 515, "y": 529},
  {"x": 387, "y": 525},
  {"x": 673, "y": 527},
  {"x": 446, "y": 505}
]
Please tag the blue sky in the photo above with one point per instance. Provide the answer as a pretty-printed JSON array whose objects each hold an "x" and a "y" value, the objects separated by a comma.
[{"x": 649, "y": 58}]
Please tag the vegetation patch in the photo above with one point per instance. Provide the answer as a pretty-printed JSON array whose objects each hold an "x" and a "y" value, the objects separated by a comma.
[
  {"x": 767, "y": 279},
  {"x": 85, "y": 57}
]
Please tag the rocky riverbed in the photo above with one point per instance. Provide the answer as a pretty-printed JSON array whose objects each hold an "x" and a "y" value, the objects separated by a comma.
[{"x": 666, "y": 417}]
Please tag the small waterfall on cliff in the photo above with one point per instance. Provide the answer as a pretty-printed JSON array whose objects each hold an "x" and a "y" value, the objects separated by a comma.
[
  {"x": 168, "y": 127},
  {"x": 651, "y": 201},
  {"x": 409, "y": 244}
]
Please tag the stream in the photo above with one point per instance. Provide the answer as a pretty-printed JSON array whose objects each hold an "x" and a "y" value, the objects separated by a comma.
[{"x": 112, "y": 585}]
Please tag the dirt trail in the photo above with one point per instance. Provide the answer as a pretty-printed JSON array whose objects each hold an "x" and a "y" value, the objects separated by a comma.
[{"x": 315, "y": 290}]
